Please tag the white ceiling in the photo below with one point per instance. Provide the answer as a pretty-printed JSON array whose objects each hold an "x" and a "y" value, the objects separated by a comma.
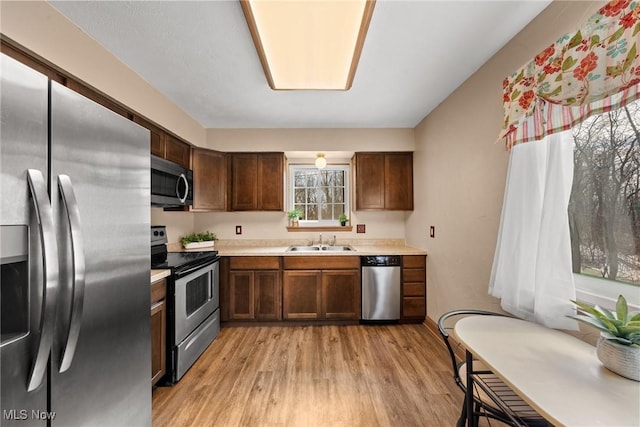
[{"x": 201, "y": 56}]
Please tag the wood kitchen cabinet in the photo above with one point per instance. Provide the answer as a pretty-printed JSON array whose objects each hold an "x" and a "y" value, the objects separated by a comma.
[
  {"x": 254, "y": 289},
  {"x": 326, "y": 287},
  {"x": 414, "y": 279},
  {"x": 158, "y": 330},
  {"x": 384, "y": 181},
  {"x": 166, "y": 146},
  {"x": 257, "y": 181},
  {"x": 209, "y": 180}
]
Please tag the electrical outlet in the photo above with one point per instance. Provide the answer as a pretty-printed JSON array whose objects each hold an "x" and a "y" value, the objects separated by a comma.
[
  {"x": 238, "y": 229},
  {"x": 360, "y": 228},
  {"x": 432, "y": 232}
]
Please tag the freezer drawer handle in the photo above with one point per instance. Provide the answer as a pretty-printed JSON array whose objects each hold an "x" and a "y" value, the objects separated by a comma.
[
  {"x": 78, "y": 266},
  {"x": 186, "y": 188},
  {"x": 44, "y": 216}
]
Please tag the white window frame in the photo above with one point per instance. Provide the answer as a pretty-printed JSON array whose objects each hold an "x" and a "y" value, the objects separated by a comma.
[{"x": 347, "y": 191}]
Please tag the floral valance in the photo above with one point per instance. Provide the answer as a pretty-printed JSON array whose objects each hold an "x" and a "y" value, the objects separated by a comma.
[{"x": 577, "y": 76}]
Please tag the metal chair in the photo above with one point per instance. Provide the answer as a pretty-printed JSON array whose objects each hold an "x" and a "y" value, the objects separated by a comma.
[{"x": 511, "y": 410}]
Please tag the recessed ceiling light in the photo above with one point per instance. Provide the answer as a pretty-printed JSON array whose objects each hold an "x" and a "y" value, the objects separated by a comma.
[{"x": 308, "y": 44}]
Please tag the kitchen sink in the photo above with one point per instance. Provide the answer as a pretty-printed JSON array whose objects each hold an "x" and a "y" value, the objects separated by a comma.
[
  {"x": 303, "y": 248},
  {"x": 338, "y": 248},
  {"x": 316, "y": 248}
]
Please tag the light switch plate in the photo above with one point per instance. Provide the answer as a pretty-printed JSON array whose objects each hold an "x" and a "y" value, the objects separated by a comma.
[
  {"x": 238, "y": 229},
  {"x": 360, "y": 228}
]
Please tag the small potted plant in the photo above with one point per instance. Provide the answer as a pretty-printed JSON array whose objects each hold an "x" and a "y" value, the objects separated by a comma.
[
  {"x": 618, "y": 347},
  {"x": 205, "y": 239},
  {"x": 343, "y": 219},
  {"x": 294, "y": 217}
]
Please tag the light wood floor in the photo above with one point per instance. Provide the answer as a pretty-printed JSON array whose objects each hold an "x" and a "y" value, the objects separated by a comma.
[{"x": 313, "y": 376}]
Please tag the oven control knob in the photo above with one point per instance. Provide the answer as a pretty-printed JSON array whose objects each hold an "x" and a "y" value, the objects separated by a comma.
[
  {"x": 155, "y": 233},
  {"x": 162, "y": 233}
]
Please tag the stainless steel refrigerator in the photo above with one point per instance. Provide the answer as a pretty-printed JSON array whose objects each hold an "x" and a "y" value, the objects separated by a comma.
[{"x": 74, "y": 233}]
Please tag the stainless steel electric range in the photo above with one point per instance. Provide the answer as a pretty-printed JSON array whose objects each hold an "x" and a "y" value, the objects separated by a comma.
[{"x": 193, "y": 313}]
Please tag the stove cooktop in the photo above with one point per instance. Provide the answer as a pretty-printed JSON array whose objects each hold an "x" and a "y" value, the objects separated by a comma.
[{"x": 176, "y": 260}]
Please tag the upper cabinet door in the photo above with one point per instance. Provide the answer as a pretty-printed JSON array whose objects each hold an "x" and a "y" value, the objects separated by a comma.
[
  {"x": 244, "y": 179},
  {"x": 369, "y": 181},
  {"x": 384, "y": 181},
  {"x": 209, "y": 180},
  {"x": 177, "y": 151},
  {"x": 257, "y": 181},
  {"x": 270, "y": 181},
  {"x": 398, "y": 181}
]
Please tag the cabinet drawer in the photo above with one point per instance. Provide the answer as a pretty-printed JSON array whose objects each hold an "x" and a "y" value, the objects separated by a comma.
[
  {"x": 321, "y": 262},
  {"x": 413, "y": 289},
  {"x": 413, "y": 275},
  {"x": 414, "y": 261},
  {"x": 158, "y": 290},
  {"x": 413, "y": 307},
  {"x": 254, "y": 263}
]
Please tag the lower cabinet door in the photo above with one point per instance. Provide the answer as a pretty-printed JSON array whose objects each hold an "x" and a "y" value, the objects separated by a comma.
[
  {"x": 241, "y": 295},
  {"x": 268, "y": 295},
  {"x": 158, "y": 341},
  {"x": 341, "y": 294},
  {"x": 301, "y": 294}
]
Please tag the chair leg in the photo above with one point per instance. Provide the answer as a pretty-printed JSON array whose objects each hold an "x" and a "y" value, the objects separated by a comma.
[{"x": 463, "y": 415}]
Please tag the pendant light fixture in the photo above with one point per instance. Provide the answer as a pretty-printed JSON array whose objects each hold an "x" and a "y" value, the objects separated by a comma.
[{"x": 321, "y": 162}]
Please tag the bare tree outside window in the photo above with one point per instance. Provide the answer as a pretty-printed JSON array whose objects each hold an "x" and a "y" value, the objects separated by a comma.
[{"x": 604, "y": 208}]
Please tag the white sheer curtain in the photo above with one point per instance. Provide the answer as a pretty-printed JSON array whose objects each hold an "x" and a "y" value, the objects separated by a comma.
[{"x": 532, "y": 264}]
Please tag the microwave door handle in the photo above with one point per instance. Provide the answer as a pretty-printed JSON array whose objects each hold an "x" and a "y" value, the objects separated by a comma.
[
  {"x": 78, "y": 270},
  {"x": 182, "y": 198},
  {"x": 50, "y": 275}
]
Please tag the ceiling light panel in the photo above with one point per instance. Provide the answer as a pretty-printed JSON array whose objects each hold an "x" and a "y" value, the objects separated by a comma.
[{"x": 308, "y": 44}]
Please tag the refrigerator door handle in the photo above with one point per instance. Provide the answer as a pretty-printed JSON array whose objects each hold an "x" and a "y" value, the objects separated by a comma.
[
  {"x": 79, "y": 270},
  {"x": 186, "y": 188},
  {"x": 50, "y": 274}
]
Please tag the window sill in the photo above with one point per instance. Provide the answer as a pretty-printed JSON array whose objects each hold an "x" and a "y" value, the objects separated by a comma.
[
  {"x": 605, "y": 292},
  {"x": 320, "y": 228}
]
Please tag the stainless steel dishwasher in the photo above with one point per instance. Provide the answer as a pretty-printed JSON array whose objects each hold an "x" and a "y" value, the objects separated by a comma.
[{"x": 380, "y": 287}]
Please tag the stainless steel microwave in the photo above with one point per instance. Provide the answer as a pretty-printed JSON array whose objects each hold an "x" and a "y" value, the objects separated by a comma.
[{"x": 171, "y": 184}]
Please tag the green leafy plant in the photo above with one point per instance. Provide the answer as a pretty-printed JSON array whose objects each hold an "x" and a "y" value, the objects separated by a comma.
[
  {"x": 343, "y": 218},
  {"x": 205, "y": 236},
  {"x": 294, "y": 214},
  {"x": 620, "y": 326}
]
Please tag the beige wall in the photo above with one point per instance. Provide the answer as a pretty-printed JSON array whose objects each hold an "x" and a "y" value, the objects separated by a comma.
[
  {"x": 460, "y": 169},
  {"x": 42, "y": 29},
  {"x": 311, "y": 139}
]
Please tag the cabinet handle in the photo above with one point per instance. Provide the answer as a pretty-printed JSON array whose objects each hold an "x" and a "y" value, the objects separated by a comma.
[
  {"x": 50, "y": 275},
  {"x": 79, "y": 270}
]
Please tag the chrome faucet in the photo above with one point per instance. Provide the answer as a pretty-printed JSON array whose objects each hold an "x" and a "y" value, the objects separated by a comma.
[
  {"x": 320, "y": 239},
  {"x": 333, "y": 241}
]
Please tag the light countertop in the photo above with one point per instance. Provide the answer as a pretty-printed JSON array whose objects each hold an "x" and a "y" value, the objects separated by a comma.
[
  {"x": 279, "y": 248},
  {"x": 159, "y": 274}
]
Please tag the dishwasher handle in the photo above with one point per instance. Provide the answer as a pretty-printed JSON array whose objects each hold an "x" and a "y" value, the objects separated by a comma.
[{"x": 381, "y": 261}]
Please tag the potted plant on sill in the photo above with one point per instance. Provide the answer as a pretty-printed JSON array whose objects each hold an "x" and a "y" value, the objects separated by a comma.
[
  {"x": 343, "y": 219},
  {"x": 294, "y": 217},
  {"x": 618, "y": 346},
  {"x": 205, "y": 239}
]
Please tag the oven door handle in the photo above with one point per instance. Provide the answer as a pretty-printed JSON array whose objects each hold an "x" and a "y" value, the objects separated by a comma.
[
  {"x": 79, "y": 270},
  {"x": 183, "y": 273},
  {"x": 50, "y": 275}
]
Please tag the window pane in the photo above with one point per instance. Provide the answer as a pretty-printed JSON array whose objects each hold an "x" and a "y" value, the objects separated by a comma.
[
  {"x": 300, "y": 195},
  {"x": 312, "y": 179},
  {"x": 338, "y": 194},
  {"x": 300, "y": 178},
  {"x": 604, "y": 209},
  {"x": 312, "y": 212},
  {"x": 339, "y": 178},
  {"x": 327, "y": 210}
]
